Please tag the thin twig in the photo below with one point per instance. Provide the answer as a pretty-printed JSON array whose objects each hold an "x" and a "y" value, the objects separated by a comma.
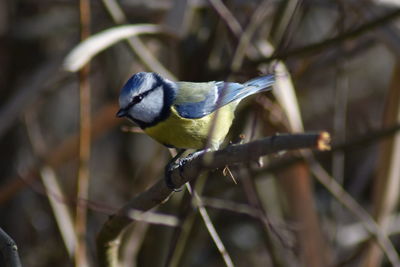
[
  {"x": 341, "y": 102},
  {"x": 285, "y": 23},
  {"x": 67, "y": 150},
  {"x": 346, "y": 200},
  {"x": 355, "y": 233},
  {"x": 327, "y": 43},
  {"x": 245, "y": 38},
  {"x": 84, "y": 145},
  {"x": 388, "y": 34},
  {"x": 45, "y": 77},
  {"x": 61, "y": 211},
  {"x": 154, "y": 218},
  {"x": 254, "y": 200},
  {"x": 230, "y": 20},
  {"x": 180, "y": 237},
  {"x": 140, "y": 49},
  {"x": 187, "y": 215},
  {"x": 232, "y": 206},
  {"x": 133, "y": 243},
  {"x": 387, "y": 181},
  {"x": 83, "y": 52},
  {"x": 210, "y": 227},
  {"x": 53, "y": 191},
  {"x": 340, "y": 118}
]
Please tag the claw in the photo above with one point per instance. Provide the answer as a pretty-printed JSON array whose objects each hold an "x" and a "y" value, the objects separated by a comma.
[{"x": 168, "y": 176}]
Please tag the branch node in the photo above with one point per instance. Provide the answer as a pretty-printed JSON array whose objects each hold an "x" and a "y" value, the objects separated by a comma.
[{"x": 323, "y": 142}]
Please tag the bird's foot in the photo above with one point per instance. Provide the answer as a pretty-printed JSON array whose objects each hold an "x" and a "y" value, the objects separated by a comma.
[
  {"x": 196, "y": 154},
  {"x": 172, "y": 165}
]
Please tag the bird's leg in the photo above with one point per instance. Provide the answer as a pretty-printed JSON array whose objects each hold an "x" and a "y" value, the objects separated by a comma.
[{"x": 170, "y": 167}]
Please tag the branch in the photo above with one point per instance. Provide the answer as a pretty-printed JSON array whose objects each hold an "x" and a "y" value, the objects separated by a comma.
[
  {"x": 9, "y": 251},
  {"x": 108, "y": 238},
  {"x": 358, "y": 142},
  {"x": 330, "y": 42}
]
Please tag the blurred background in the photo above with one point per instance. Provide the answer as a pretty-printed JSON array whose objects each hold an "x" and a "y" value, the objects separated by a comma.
[{"x": 67, "y": 163}]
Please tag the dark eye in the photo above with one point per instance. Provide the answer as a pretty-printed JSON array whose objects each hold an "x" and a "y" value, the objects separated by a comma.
[{"x": 137, "y": 99}]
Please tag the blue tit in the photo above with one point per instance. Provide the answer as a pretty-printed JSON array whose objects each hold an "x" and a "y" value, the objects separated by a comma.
[{"x": 180, "y": 114}]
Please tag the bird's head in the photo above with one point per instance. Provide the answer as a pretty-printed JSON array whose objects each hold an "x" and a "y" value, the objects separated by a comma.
[{"x": 146, "y": 98}]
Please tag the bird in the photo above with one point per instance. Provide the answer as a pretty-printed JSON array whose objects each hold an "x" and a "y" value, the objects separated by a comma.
[{"x": 180, "y": 114}]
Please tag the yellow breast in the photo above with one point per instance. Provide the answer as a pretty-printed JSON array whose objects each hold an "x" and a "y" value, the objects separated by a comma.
[{"x": 185, "y": 133}]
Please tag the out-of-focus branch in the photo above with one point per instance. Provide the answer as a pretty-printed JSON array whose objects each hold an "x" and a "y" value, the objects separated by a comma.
[
  {"x": 84, "y": 144},
  {"x": 29, "y": 91},
  {"x": 269, "y": 235},
  {"x": 103, "y": 121},
  {"x": 387, "y": 181},
  {"x": 284, "y": 22},
  {"x": 227, "y": 16},
  {"x": 327, "y": 43},
  {"x": 347, "y": 201},
  {"x": 245, "y": 38},
  {"x": 140, "y": 49},
  {"x": 53, "y": 190},
  {"x": 210, "y": 227},
  {"x": 108, "y": 238},
  {"x": 9, "y": 251},
  {"x": 355, "y": 233},
  {"x": 62, "y": 213},
  {"x": 90, "y": 47},
  {"x": 388, "y": 34}
]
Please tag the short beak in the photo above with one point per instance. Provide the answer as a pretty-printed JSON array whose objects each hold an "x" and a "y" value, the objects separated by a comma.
[{"x": 121, "y": 113}]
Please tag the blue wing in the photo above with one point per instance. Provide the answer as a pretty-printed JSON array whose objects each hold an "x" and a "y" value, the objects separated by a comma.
[{"x": 220, "y": 94}]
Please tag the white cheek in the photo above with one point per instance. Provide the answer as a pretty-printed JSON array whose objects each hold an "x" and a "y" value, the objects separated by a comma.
[{"x": 150, "y": 107}]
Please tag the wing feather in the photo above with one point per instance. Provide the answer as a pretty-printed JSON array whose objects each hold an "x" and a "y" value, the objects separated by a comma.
[{"x": 196, "y": 100}]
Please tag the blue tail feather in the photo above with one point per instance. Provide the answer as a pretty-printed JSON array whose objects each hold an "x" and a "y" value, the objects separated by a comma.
[
  {"x": 248, "y": 88},
  {"x": 261, "y": 82}
]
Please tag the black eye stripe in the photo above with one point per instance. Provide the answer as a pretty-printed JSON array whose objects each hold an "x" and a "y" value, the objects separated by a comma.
[{"x": 137, "y": 99}]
